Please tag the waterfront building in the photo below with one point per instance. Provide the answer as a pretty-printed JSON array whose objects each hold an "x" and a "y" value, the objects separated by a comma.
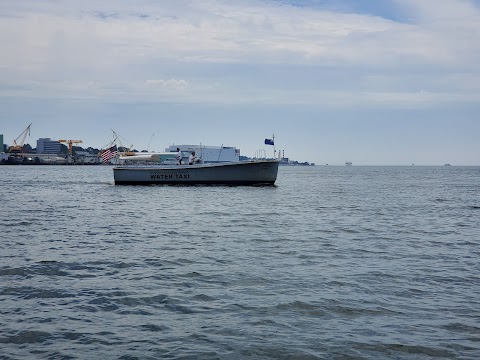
[
  {"x": 209, "y": 154},
  {"x": 84, "y": 157},
  {"x": 2, "y": 146},
  {"x": 48, "y": 146}
]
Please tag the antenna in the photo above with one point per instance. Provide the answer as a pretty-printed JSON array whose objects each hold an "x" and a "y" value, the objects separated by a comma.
[
  {"x": 220, "y": 153},
  {"x": 151, "y": 137}
]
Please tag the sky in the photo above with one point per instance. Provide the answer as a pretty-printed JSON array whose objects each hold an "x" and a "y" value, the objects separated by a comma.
[{"x": 378, "y": 82}]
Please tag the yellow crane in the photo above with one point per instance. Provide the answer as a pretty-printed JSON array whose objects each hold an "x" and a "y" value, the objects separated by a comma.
[
  {"x": 70, "y": 146},
  {"x": 18, "y": 146}
]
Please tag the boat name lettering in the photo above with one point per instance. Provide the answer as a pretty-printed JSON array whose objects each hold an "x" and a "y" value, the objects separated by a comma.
[{"x": 176, "y": 176}]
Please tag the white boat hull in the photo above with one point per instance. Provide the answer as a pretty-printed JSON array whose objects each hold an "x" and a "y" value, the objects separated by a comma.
[{"x": 261, "y": 172}]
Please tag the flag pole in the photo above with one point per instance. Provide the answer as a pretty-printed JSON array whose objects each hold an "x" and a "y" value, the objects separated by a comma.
[{"x": 274, "y": 151}]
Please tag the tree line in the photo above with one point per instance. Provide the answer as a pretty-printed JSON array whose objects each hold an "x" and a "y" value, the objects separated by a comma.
[{"x": 27, "y": 148}]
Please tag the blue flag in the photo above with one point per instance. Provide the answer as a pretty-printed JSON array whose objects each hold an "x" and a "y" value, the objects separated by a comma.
[{"x": 269, "y": 142}]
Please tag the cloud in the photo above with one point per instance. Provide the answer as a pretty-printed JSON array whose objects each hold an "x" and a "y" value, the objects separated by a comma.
[
  {"x": 203, "y": 48},
  {"x": 170, "y": 83}
]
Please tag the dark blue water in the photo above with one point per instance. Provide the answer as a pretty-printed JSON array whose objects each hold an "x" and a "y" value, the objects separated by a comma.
[{"x": 332, "y": 263}]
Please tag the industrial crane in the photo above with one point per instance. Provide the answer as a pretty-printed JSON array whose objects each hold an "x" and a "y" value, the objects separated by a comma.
[
  {"x": 18, "y": 146},
  {"x": 70, "y": 145}
]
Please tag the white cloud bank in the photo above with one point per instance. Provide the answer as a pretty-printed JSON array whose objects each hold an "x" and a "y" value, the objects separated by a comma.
[{"x": 220, "y": 51}]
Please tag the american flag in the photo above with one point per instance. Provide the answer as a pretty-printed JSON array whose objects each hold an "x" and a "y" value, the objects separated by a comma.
[{"x": 109, "y": 153}]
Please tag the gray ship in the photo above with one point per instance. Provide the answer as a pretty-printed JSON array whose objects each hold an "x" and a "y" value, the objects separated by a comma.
[{"x": 257, "y": 172}]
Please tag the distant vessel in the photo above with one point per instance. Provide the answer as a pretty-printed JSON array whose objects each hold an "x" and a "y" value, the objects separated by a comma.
[
  {"x": 447, "y": 165},
  {"x": 348, "y": 163},
  {"x": 257, "y": 172}
]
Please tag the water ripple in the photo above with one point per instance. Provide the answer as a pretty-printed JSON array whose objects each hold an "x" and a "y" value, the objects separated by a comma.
[{"x": 333, "y": 263}]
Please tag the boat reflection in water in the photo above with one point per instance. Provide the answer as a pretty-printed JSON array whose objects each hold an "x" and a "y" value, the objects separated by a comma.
[{"x": 256, "y": 172}]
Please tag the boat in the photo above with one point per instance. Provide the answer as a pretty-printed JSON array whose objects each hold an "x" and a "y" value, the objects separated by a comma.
[
  {"x": 348, "y": 163},
  {"x": 255, "y": 172},
  {"x": 18, "y": 159}
]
